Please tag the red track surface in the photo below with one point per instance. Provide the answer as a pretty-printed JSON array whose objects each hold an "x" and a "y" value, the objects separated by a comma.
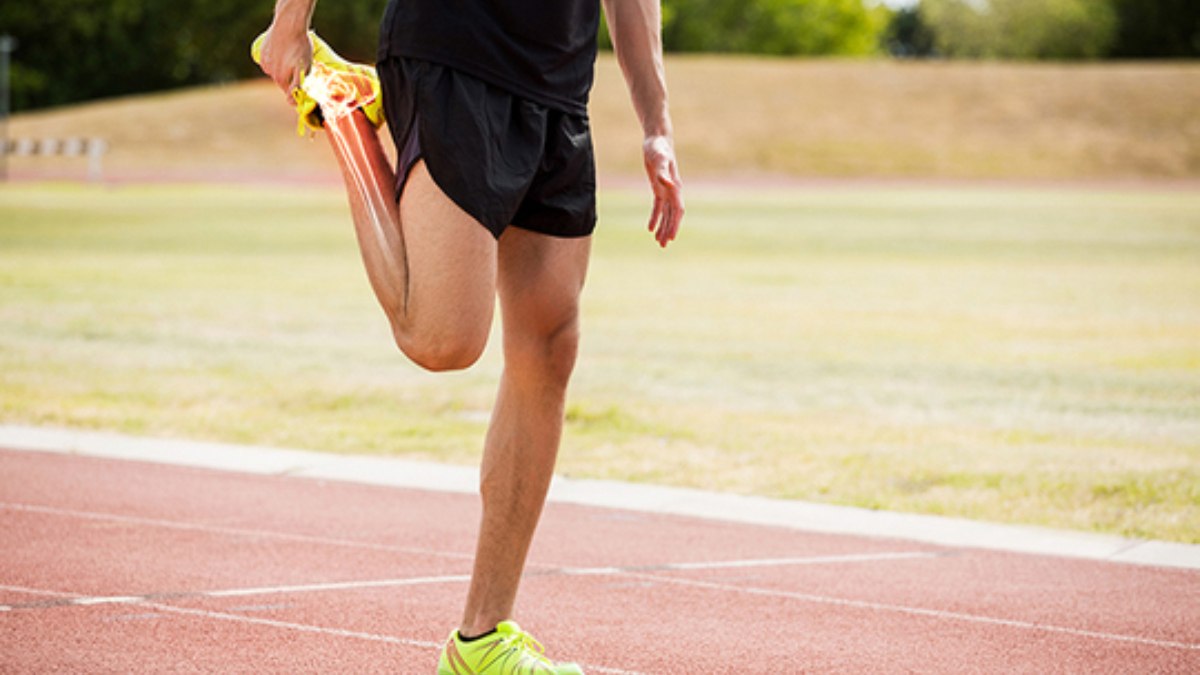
[{"x": 112, "y": 566}]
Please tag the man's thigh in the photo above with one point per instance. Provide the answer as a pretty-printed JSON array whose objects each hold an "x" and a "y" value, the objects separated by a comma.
[
  {"x": 540, "y": 279},
  {"x": 451, "y": 262}
]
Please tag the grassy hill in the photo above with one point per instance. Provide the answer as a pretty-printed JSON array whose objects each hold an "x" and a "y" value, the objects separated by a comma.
[{"x": 745, "y": 117}]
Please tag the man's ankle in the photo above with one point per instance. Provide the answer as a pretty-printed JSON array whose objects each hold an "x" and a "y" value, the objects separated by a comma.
[{"x": 471, "y": 637}]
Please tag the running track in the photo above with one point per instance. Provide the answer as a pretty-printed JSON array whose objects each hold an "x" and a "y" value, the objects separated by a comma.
[{"x": 112, "y": 565}]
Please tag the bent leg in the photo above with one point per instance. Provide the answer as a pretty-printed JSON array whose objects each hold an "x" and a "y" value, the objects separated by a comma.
[
  {"x": 539, "y": 283},
  {"x": 431, "y": 265}
]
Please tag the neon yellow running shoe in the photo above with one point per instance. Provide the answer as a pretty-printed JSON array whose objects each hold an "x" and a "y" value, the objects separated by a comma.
[
  {"x": 333, "y": 87},
  {"x": 508, "y": 651}
]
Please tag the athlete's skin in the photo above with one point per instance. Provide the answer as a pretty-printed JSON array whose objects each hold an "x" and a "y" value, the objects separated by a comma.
[{"x": 436, "y": 273}]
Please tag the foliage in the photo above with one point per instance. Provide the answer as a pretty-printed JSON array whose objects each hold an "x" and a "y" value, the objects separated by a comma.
[
  {"x": 73, "y": 50},
  {"x": 1158, "y": 28},
  {"x": 908, "y": 34},
  {"x": 1023, "y": 29},
  {"x": 785, "y": 27}
]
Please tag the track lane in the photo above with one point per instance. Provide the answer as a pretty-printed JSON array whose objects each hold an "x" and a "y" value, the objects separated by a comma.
[{"x": 112, "y": 565}]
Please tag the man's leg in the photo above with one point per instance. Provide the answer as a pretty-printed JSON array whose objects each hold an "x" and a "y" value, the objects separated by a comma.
[
  {"x": 432, "y": 266},
  {"x": 540, "y": 279}
]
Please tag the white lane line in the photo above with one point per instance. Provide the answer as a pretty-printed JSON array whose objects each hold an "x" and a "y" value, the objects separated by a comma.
[
  {"x": 339, "y": 632},
  {"x": 570, "y": 571},
  {"x": 287, "y": 625},
  {"x": 918, "y": 611},
  {"x": 589, "y": 668},
  {"x": 112, "y": 600},
  {"x": 630, "y": 572},
  {"x": 464, "y": 578},
  {"x": 736, "y": 564},
  {"x": 151, "y": 598},
  {"x": 75, "y": 597},
  {"x": 234, "y": 531},
  {"x": 287, "y": 536},
  {"x": 334, "y": 586},
  {"x": 812, "y": 560},
  {"x": 39, "y": 591},
  {"x": 587, "y": 571}
]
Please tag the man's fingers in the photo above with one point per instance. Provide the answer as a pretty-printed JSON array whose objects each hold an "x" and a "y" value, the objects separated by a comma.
[
  {"x": 658, "y": 227},
  {"x": 667, "y": 187},
  {"x": 676, "y": 219},
  {"x": 669, "y": 227},
  {"x": 655, "y": 213},
  {"x": 672, "y": 209},
  {"x": 665, "y": 232}
]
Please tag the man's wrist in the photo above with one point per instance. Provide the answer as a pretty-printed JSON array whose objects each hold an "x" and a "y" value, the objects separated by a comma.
[
  {"x": 652, "y": 138},
  {"x": 292, "y": 17}
]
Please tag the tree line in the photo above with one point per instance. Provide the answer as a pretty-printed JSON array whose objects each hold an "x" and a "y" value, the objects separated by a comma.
[
  {"x": 1046, "y": 29},
  {"x": 73, "y": 50}
]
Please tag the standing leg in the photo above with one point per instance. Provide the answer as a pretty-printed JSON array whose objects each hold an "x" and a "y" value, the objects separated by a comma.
[{"x": 539, "y": 282}]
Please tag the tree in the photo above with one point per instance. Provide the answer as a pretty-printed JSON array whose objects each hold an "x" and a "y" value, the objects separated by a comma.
[
  {"x": 785, "y": 27},
  {"x": 74, "y": 50},
  {"x": 1157, "y": 28},
  {"x": 1028, "y": 29},
  {"x": 908, "y": 35}
]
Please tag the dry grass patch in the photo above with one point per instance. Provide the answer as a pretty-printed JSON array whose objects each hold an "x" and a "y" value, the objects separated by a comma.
[
  {"x": 1013, "y": 355},
  {"x": 906, "y": 119},
  {"x": 736, "y": 116}
]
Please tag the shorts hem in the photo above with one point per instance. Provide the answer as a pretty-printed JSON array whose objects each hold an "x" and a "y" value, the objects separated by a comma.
[{"x": 492, "y": 187}]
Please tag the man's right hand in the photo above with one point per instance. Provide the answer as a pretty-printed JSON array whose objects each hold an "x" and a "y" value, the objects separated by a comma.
[
  {"x": 663, "y": 172},
  {"x": 286, "y": 56}
]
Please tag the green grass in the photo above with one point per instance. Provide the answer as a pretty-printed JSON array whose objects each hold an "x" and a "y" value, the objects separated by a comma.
[{"x": 1019, "y": 355}]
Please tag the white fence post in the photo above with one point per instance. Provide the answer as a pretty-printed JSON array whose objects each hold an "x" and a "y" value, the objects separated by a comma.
[{"x": 92, "y": 148}]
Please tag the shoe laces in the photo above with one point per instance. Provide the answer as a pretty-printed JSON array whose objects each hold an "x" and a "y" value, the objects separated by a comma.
[
  {"x": 526, "y": 648},
  {"x": 530, "y": 643}
]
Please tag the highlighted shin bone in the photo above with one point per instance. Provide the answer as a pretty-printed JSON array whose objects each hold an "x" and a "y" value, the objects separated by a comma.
[{"x": 370, "y": 185}]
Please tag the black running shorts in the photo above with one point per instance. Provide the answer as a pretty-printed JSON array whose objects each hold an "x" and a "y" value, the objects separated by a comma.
[{"x": 503, "y": 159}]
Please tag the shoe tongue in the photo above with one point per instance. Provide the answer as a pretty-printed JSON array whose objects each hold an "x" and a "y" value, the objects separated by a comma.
[{"x": 508, "y": 627}]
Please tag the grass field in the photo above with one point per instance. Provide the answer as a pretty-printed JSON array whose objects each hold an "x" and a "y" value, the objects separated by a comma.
[{"x": 1019, "y": 355}]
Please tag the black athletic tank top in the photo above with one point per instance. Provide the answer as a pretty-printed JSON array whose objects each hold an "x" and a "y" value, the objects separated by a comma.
[{"x": 543, "y": 50}]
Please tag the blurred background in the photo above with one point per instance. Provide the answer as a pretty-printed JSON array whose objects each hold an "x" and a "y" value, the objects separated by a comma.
[
  {"x": 941, "y": 256},
  {"x": 942, "y": 88}
]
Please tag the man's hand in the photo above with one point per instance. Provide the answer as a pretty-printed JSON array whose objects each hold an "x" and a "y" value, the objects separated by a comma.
[
  {"x": 663, "y": 172},
  {"x": 636, "y": 29},
  {"x": 286, "y": 56}
]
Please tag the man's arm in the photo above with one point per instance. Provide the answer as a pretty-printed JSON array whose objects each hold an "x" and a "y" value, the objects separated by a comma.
[
  {"x": 636, "y": 29},
  {"x": 286, "y": 52}
]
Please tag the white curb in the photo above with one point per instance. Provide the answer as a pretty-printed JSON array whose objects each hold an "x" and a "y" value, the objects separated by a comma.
[{"x": 809, "y": 517}]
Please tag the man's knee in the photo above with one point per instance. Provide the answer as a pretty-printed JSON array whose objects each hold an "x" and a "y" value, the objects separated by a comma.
[
  {"x": 548, "y": 354},
  {"x": 443, "y": 352}
]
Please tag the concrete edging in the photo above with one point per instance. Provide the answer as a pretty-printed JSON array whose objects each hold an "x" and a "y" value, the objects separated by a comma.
[{"x": 823, "y": 518}]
